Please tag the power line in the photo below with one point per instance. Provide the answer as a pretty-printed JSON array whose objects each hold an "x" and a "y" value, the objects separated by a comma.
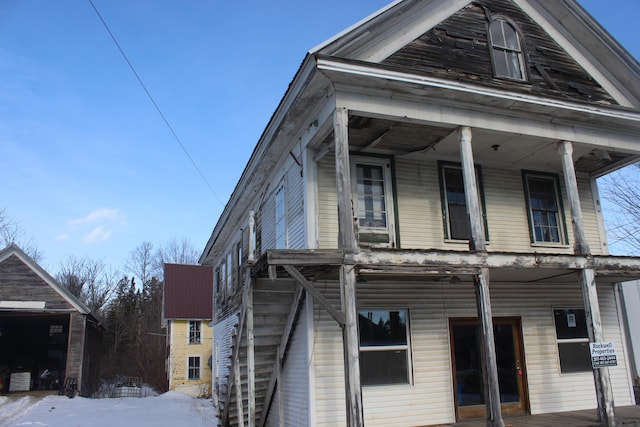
[{"x": 166, "y": 122}]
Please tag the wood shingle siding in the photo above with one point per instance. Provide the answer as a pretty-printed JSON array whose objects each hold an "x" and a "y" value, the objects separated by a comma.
[
  {"x": 18, "y": 281},
  {"x": 458, "y": 49}
]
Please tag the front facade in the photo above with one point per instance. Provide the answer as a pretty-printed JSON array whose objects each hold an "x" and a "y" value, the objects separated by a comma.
[
  {"x": 187, "y": 308},
  {"x": 417, "y": 237},
  {"x": 47, "y": 335}
]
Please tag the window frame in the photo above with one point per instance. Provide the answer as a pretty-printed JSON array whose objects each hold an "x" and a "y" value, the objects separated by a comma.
[
  {"x": 446, "y": 217},
  {"x": 280, "y": 216},
  {"x": 191, "y": 368},
  {"x": 563, "y": 235},
  {"x": 496, "y": 48},
  {"x": 191, "y": 333},
  {"x": 374, "y": 236},
  {"x": 387, "y": 348},
  {"x": 564, "y": 341}
]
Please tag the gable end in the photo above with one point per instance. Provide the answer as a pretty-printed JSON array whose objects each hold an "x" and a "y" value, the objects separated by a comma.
[{"x": 459, "y": 49}]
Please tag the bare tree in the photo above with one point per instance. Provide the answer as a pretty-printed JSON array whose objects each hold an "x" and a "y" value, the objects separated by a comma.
[
  {"x": 622, "y": 190},
  {"x": 11, "y": 232},
  {"x": 89, "y": 280},
  {"x": 175, "y": 251},
  {"x": 141, "y": 262}
]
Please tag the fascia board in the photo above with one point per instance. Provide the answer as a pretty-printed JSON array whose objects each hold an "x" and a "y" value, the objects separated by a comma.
[{"x": 362, "y": 70}]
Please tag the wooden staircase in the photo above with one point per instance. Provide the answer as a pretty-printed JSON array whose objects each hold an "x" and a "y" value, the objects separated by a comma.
[{"x": 275, "y": 305}]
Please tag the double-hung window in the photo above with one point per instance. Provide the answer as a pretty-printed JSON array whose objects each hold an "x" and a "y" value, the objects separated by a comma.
[
  {"x": 506, "y": 50},
  {"x": 454, "y": 203},
  {"x": 373, "y": 188},
  {"x": 572, "y": 340},
  {"x": 195, "y": 332},
  {"x": 544, "y": 206},
  {"x": 281, "y": 223},
  {"x": 384, "y": 347},
  {"x": 194, "y": 368}
]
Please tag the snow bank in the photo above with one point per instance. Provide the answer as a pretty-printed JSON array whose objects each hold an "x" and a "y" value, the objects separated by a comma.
[{"x": 171, "y": 409}]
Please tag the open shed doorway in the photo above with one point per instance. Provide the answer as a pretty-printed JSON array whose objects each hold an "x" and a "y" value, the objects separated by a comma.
[{"x": 33, "y": 351}]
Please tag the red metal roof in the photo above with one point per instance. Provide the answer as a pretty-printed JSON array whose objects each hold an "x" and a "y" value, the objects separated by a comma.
[{"x": 188, "y": 291}]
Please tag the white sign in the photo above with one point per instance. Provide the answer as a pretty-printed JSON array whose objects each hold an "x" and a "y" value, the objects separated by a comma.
[{"x": 603, "y": 354}]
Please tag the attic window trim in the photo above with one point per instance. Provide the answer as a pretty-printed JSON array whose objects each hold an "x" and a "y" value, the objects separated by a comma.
[{"x": 496, "y": 48}]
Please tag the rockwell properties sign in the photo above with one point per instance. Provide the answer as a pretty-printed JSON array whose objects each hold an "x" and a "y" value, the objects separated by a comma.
[{"x": 603, "y": 354}]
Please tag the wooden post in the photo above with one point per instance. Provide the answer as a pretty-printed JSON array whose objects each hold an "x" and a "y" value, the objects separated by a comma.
[
  {"x": 604, "y": 392},
  {"x": 347, "y": 241},
  {"x": 477, "y": 243},
  {"x": 580, "y": 246},
  {"x": 251, "y": 365},
  {"x": 238, "y": 384},
  {"x": 279, "y": 388}
]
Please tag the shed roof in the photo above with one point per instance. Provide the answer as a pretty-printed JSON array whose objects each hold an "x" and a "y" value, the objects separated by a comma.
[{"x": 188, "y": 291}]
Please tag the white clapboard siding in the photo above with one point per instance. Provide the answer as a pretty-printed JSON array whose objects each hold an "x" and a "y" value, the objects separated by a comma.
[
  {"x": 327, "y": 203},
  {"x": 296, "y": 238},
  {"x": 429, "y": 399},
  {"x": 268, "y": 221},
  {"x": 222, "y": 348},
  {"x": 295, "y": 380},
  {"x": 420, "y": 217}
]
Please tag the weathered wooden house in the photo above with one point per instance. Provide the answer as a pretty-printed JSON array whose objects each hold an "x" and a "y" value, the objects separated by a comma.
[
  {"x": 187, "y": 310},
  {"x": 417, "y": 237},
  {"x": 46, "y": 334}
]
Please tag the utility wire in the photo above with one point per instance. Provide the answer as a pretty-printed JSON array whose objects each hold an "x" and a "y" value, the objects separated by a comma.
[{"x": 166, "y": 122}]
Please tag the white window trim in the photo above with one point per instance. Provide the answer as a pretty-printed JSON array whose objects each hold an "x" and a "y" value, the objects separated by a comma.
[
  {"x": 199, "y": 357},
  {"x": 199, "y": 322},
  {"x": 390, "y": 229},
  {"x": 562, "y": 226}
]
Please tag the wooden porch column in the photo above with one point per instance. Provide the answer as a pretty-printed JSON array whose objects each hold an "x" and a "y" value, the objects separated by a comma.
[
  {"x": 604, "y": 392},
  {"x": 477, "y": 243},
  {"x": 347, "y": 242}
]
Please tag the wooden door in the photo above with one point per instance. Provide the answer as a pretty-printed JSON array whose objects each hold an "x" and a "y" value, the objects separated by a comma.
[{"x": 468, "y": 384}]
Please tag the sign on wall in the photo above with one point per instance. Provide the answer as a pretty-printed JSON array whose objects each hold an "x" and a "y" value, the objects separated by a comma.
[{"x": 603, "y": 354}]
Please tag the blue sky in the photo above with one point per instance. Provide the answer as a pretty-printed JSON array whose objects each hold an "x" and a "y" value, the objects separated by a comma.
[{"x": 89, "y": 167}]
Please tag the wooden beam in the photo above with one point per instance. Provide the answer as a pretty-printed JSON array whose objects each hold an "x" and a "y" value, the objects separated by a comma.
[
  {"x": 580, "y": 246},
  {"x": 251, "y": 253},
  {"x": 315, "y": 293},
  {"x": 279, "y": 383}
]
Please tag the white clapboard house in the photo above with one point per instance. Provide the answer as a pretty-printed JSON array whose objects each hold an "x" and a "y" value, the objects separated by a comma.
[{"x": 417, "y": 237}]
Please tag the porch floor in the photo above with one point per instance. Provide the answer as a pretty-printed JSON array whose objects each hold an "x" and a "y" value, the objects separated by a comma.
[{"x": 626, "y": 416}]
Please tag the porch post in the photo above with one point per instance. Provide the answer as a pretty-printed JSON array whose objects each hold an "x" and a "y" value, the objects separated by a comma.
[
  {"x": 604, "y": 392},
  {"x": 477, "y": 243},
  {"x": 347, "y": 242}
]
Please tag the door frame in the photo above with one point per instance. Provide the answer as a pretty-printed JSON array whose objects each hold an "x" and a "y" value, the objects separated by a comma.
[{"x": 479, "y": 411}]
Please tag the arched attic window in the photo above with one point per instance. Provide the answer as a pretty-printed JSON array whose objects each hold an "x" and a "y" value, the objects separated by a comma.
[{"x": 506, "y": 50}]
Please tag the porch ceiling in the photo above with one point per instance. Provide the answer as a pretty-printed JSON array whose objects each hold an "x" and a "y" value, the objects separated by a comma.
[{"x": 384, "y": 136}]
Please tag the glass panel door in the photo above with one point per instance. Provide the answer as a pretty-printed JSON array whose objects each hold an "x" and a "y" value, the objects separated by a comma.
[{"x": 467, "y": 362}]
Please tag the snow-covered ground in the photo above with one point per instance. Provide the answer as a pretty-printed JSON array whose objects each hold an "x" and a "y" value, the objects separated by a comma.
[{"x": 171, "y": 409}]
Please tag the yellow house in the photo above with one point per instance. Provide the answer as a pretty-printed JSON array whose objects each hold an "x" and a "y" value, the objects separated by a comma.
[{"x": 187, "y": 309}]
